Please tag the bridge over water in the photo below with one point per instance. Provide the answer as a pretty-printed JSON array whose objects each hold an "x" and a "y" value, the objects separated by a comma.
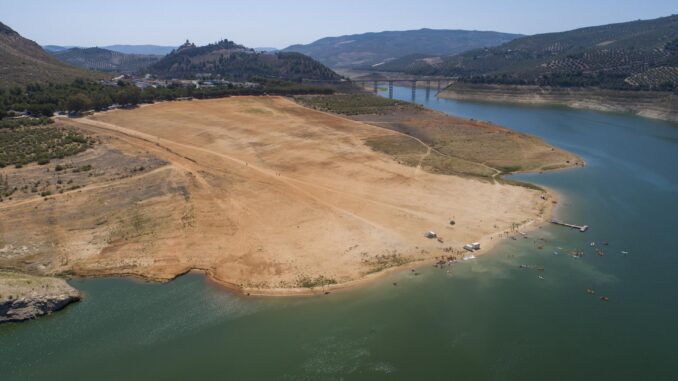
[
  {"x": 374, "y": 82},
  {"x": 427, "y": 83}
]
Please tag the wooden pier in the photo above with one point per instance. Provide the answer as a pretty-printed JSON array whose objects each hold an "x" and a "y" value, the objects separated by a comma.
[{"x": 582, "y": 228}]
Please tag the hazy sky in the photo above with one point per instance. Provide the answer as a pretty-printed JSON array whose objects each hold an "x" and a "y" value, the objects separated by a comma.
[{"x": 264, "y": 23}]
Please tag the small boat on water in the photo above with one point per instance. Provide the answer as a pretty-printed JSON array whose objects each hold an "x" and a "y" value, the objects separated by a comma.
[
  {"x": 466, "y": 258},
  {"x": 592, "y": 244},
  {"x": 540, "y": 277}
]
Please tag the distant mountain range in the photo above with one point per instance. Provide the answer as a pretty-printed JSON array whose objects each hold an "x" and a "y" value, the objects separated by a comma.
[
  {"x": 22, "y": 61},
  {"x": 157, "y": 50},
  {"x": 640, "y": 54},
  {"x": 226, "y": 59},
  {"x": 127, "y": 49},
  {"x": 369, "y": 49},
  {"x": 105, "y": 60},
  {"x": 57, "y": 48},
  {"x": 637, "y": 54}
]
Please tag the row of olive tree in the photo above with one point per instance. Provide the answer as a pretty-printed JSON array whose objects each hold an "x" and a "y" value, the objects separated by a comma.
[{"x": 40, "y": 100}]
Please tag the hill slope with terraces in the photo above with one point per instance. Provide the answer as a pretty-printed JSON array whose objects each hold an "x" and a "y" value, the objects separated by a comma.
[{"x": 641, "y": 55}]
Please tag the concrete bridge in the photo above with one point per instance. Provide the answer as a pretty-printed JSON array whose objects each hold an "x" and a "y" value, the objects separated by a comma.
[
  {"x": 413, "y": 83},
  {"x": 373, "y": 83}
]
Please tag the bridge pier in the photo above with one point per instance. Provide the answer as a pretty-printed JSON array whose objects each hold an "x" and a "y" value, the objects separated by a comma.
[
  {"x": 438, "y": 85},
  {"x": 376, "y": 87},
  {"x": 414, "y": 90},
  {"x": 428, "y": 90},
  {"x": 390, "y": 89}
]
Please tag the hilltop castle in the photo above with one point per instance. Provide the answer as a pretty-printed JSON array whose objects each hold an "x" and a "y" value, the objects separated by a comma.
[{"x": 186, "y": 45}]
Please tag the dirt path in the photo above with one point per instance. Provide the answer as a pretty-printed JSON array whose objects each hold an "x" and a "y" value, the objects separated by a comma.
[{"x": 262, "y": 194}]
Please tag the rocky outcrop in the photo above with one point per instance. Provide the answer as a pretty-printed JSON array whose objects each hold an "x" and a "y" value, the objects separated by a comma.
[
  {"x": 24, "y": 297},
  {"x": 650, "y": 104}
]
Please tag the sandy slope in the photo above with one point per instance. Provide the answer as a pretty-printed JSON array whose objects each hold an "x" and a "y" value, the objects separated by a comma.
[{"x": 260, "y": 193}]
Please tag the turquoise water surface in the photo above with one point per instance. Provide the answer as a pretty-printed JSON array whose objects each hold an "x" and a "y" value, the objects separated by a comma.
[{"x": 487, "y": 319}]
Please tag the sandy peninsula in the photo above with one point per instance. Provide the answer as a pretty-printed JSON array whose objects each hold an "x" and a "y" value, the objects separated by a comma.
[{"x": 262, "y": 194}]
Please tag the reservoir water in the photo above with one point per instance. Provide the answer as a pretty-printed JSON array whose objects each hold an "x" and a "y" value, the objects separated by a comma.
[{"x": 487, "y": 319}]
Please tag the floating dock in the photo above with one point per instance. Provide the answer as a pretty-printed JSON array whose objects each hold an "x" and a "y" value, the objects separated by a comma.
[{"x": 582, "y": 228}]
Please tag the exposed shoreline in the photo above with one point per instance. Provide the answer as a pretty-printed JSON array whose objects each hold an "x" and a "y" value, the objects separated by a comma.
[
  {"x": 488, "y": 244},
  {"x": 26, "y": 297},
  {"x": 168, "y": 151},
  {"x": 649, "y": 104}
]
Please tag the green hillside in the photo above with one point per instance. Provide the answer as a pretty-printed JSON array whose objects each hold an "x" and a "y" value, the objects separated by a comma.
[
  {"x": 22, "y": 61},
  {"x": 105, "y": 60},
  {"x": 226, "y": 59},
  {"x": 413, "y": 63},
  {"x": 637, "y": 54},
  {"x": 369, "y": 49}
]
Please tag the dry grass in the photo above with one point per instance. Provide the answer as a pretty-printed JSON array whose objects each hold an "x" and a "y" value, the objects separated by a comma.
[
  {"x": 16, "y": 286},
  {"x": 460, "y": 146},
  {"x": 474, "y": 141}
]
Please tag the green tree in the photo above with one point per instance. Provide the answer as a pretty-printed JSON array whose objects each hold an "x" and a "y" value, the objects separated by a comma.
[
  {"x": 78, "y": 103},
  {"x": 129, "y": 95},
  {"x": 100, "y": 101},
  {"x": 42, "y": 109}
]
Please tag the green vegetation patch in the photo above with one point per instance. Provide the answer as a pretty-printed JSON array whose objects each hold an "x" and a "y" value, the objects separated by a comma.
[
  {"x": 23, "y": 145},
  {"x": 636, "y": 55},
  {"x": 385, "y": 261},
  {"x": 409, "y": 151},
  {"x": 42, "y": 100},
  {"x": 450, "y": 165},
  {"x": 354, "y": 104},
  {"x": 24, "y": 122},
  {"x": 306, "y": 281},
  {"x": 396, "y": 145}
]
